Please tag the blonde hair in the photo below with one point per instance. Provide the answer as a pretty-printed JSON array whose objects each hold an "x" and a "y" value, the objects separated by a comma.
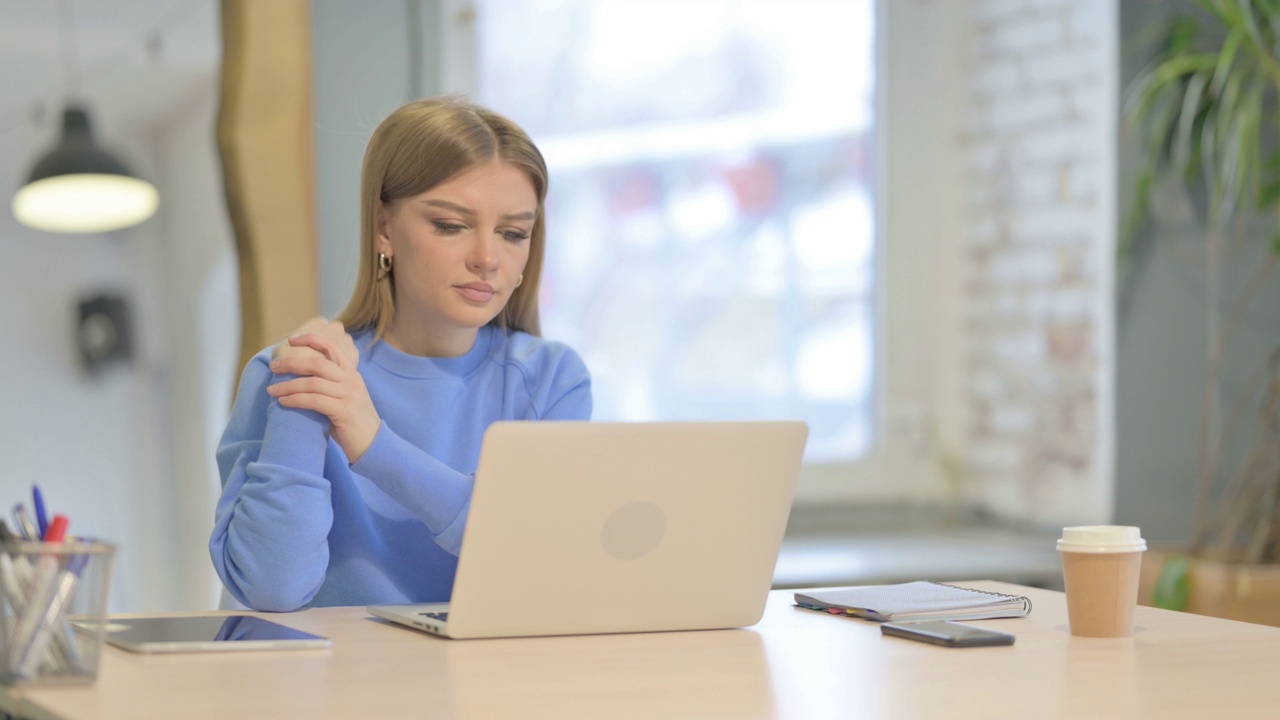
[{"x": 418, "y": 147}]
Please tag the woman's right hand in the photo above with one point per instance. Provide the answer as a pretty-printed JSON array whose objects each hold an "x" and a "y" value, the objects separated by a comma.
[
  {"x": 324, "y": 327},
  {"x": 329, "y": 382}
]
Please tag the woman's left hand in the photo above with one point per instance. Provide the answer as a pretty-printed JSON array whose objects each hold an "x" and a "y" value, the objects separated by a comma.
[{"x": 331, "y": 385}]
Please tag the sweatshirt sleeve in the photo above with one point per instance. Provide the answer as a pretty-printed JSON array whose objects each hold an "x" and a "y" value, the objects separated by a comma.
[
  {"x": 430, "y": 490},
  {"x": 441, "y": 496},
  {"x": 272, "y": 521}
]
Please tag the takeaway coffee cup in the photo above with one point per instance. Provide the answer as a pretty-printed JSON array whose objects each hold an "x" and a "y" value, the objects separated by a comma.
[{"x": 1100, "y": 567}]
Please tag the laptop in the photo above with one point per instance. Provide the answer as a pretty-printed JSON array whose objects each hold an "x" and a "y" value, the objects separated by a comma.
[{"x": 582, "y": 528}]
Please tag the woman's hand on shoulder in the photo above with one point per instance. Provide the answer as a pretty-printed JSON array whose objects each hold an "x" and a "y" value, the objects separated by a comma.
[
  {"x": 331, "y": 385},
  {"x": 323, "y": 326}
]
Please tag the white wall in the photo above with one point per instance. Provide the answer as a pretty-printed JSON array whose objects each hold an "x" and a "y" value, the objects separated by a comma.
[
  {"x": 128, "y": 455},
  {"x": 1038, "y": 252},
  {"x": 362, "y": 73},
  {"x": 89, "y": 442},
  {"x": 196, "y": 273}
]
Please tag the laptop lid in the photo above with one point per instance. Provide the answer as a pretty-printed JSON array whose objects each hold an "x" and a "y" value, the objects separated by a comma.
[{"x": 587, "y": 527}]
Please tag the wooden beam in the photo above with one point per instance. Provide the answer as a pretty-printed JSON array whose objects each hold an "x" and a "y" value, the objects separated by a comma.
[{"x": 266, "y": 144}]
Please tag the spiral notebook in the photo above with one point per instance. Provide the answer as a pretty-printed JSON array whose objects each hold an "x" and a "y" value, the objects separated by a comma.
[{"x": 920, "y": 600}]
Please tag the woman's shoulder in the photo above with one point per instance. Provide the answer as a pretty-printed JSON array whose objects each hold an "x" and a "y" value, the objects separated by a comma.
[
  {"x": 257, "y": 371},
  {"x": 537, "y": 355},
  {"x": 555, "y": 377}
]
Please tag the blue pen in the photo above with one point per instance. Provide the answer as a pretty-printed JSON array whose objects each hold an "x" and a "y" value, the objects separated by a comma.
[{"x": 42, "y": 520}]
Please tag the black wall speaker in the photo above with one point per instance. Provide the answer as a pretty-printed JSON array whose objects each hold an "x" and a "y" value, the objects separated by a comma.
[{"x": 103, "y": 333}]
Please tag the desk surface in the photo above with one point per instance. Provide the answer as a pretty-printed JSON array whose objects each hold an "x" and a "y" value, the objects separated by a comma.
[{"x": 795, "y": 664}]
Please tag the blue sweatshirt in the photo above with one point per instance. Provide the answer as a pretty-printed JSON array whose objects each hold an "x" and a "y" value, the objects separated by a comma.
[{"x": 297, "y": 525}]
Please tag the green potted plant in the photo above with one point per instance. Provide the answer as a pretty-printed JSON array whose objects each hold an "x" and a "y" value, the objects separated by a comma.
[{"x": 1207, "y": 110}]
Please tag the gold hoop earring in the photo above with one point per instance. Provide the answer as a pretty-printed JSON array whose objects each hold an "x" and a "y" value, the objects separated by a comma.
[
  {"x": 520, "y": 280},
  {"x": 384, "y": 265}
]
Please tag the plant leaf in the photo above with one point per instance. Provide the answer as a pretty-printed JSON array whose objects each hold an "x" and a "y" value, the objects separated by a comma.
[
  {"x": 1251, "y": 140},
  {"x": 1215, "y": 155},
  {"x": 1160, "y": 129},
  {"x": 1183, "y": 146},
  {"x": 1268, "y": 194},
  {"x": 1219, "y": 10},
  {"x": 1173, "y": 589},
  {"x": 1244, "y": 12},
  {"x": 1180, "y": 34},
  {"x": 1205, "y": 108},
  {"x": 1269, "y": 182},
  {"x": 1248, "y": 150},
  {"x": 1225, "y": 60},
  {"x": 1210, "y": 135},
  {"x": 1225, "y": 180},
  {"x": 1184, "y": 64}
]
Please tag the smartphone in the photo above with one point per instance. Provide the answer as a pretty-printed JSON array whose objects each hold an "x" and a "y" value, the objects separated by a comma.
[{"x": 946, "y": 632}]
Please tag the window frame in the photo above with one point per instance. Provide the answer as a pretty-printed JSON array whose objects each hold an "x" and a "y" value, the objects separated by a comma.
[{"x": 915, "y": 301}]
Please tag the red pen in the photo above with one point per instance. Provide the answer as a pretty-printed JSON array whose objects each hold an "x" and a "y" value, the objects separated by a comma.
[
  {"x": 39, "y": 622},
  {"x": 57, "y": 531}
]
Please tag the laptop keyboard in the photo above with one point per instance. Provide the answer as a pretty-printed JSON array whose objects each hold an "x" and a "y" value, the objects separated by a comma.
[{"x": 441, "y": 616}]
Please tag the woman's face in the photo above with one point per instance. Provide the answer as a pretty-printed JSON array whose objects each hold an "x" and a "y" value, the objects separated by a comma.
[{"x": 458, "y": 251}]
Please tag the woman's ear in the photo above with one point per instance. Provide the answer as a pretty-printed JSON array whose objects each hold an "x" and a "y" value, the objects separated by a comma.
[{"x": 381, "y": 232}]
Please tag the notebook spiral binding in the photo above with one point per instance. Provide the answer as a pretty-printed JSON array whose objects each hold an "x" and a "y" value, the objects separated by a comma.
[{"x": 1026, "y": 601}]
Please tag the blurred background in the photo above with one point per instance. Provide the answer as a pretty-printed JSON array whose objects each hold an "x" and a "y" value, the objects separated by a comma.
[{"x": 898, "y": 221}]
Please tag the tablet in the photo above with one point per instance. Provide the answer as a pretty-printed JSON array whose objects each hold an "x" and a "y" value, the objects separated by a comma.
[{"x": 204, "y": 633}]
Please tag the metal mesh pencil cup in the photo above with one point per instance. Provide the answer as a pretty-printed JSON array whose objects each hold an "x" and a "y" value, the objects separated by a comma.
[{"x": 54, "y": 601}]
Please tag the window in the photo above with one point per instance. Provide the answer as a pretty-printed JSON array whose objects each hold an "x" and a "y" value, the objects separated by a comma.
[{"x": 711, "y": 249}]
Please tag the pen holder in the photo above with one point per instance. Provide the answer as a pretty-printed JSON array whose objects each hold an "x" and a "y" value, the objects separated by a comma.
[{"x": 54, "y": 600}]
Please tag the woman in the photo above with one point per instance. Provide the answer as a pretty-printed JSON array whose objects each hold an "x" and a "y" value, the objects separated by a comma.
[{"x": 348, "y": 462}]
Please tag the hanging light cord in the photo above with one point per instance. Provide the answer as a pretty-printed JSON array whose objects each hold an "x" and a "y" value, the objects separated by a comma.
[
  {"x": 16, "y": 115},
  {"x": 70, "y": 58}
]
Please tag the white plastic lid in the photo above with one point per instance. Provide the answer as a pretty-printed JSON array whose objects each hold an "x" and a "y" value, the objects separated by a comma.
[{"x": 1102, "y": 539}]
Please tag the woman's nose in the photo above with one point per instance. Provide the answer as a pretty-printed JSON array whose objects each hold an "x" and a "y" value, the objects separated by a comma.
[{"x": 483, "y": 256}]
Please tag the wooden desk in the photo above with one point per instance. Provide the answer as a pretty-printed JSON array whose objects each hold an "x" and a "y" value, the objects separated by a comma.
[{"x": 795, "y": 664}]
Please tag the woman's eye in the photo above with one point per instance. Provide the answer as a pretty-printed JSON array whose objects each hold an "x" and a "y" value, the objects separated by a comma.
[
  {"x": 447, "y": 228},
  {"x": 515, "y": 235}
]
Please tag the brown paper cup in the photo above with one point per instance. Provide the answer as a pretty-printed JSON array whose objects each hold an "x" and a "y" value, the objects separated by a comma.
[{"x": 1102, "y": 592}]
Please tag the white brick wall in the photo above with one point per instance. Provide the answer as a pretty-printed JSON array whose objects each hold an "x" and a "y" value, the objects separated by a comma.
[{"x": 1039, "y": 232}]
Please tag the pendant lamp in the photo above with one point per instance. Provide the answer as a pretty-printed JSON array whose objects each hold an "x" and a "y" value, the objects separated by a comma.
[{"x": 78, "y": 187}]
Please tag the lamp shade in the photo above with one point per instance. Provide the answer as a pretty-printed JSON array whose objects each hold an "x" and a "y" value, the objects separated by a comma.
[{"x": 80, "y": 188}]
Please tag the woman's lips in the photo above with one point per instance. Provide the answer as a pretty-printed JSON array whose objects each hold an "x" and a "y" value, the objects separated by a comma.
[{"x": 476, "y": 292}]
